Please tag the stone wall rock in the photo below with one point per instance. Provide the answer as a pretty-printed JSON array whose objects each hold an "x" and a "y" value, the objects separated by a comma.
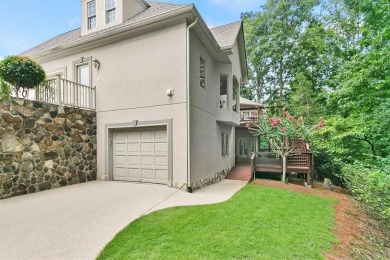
[{"x": 44, "y": 146}]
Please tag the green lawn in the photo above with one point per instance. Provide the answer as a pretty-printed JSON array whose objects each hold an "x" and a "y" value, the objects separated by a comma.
[{"x": 257, "y": 223}]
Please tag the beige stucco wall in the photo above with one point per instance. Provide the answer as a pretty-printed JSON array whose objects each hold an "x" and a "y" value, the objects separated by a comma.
[
  {"x": 205, "y": 133},
  {"x": 131, "y": 84}
]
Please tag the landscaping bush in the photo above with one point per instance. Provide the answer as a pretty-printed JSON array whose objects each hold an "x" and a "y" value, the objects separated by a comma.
[
  {"x": 370, "y": 185},
  {"x": 22, "y": 73},
  {"x": 5, "y": 90},
  {"x": 326, "y": 166}
]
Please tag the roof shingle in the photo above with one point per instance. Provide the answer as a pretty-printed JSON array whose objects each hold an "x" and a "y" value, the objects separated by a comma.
[
  {"x": 155, "y": 9},
  {"x": 226, "y": 34}
]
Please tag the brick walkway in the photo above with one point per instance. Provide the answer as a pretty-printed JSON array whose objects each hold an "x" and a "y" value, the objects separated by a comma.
[{"x": 240, "y": 172}]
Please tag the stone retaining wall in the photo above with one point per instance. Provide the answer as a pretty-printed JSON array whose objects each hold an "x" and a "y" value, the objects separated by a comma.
[{"x": 44, "y": 146}]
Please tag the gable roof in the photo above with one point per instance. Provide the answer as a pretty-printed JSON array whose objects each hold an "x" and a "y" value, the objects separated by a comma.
[
  {"x": 226, "y": 34},
  {"x": 155, "y": 9},
  {"x": 248, "y": 104}
]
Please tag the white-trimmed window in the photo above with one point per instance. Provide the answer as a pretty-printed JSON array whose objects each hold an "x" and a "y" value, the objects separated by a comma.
[
  {"x": 235, "y": 93},
  {"x": 225, "y": 145},
  {"x": 202, "y": 73},
  {"x": 83, "y": 74},
  {"x": 91, "y": 12},
  {"x": 223, "y": 90},
  {"x": 110, "y": 11}
]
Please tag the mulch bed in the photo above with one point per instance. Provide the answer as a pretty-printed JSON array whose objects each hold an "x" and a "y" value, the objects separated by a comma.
[{"x": 359, "y": 235}]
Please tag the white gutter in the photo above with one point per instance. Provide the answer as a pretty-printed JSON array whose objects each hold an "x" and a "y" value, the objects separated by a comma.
[{"x": 189, "y": 188}]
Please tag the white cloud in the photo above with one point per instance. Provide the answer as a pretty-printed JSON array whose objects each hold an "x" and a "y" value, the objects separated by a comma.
[
  {"x": 237, "y": 5},
  {"x": 1, "y": 58}
]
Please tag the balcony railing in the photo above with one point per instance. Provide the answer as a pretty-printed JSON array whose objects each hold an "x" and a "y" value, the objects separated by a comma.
[
  {"x": 68, "y": 93},
  {"x": 248, "y": 116}
]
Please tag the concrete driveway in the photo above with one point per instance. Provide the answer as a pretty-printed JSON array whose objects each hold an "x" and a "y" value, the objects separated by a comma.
[{"x": 76, "y": 222}]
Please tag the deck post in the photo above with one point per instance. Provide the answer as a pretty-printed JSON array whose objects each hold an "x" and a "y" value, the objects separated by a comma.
[{"x": 59, "y": 89}]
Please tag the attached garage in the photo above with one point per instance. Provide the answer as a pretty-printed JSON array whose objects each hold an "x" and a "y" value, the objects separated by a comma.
[{"x": 140, "y": 154}]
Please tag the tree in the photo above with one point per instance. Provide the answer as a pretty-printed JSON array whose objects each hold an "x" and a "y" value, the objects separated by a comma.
[
  {"x": 282, "y": 134},
  {"x": 22, "y": 73},
  {"x": 273, "y": 45}
]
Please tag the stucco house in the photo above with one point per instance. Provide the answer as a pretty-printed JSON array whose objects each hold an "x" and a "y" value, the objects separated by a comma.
[{"x": 166, "y": 86}]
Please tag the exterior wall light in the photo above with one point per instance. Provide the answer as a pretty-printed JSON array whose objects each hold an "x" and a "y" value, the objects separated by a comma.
[
  {"x": 96, "y": 63},
  {"x": 170, "y": 92}
]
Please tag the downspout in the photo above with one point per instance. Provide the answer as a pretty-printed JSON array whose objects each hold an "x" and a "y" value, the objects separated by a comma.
[{"x": 189, "y": 188}]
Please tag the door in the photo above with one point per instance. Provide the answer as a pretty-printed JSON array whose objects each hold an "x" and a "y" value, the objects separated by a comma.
[
  {"x": 246, "y": 146},
  {"x": 141, "y": 155}
]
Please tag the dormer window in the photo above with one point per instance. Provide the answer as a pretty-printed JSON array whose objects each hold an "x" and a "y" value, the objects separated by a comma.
[
  {"x": 91, "y": 15},
  {"x": 110, "y": 11}
]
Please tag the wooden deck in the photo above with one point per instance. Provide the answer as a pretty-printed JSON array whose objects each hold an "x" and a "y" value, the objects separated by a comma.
[
  {"x": 270, "y": 162},
  {"x": 241, "y": 172}
]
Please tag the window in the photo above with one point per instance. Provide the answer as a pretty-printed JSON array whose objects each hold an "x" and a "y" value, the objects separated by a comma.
[
  {"x": 83, "y": 74},
  {"x": 91, "y": 15},
  {"x": 246, "y": 146},
  {"x": 225, "y": 145},
  {"x": 235, "y": 93},
  {"x": 202, "y": 73},
  {"x": 110, "y": 11},
  {"x": 223, "y": 82}
]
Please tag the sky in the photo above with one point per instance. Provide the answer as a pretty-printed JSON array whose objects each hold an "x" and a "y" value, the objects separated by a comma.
[{"x": 27, "y": 23}]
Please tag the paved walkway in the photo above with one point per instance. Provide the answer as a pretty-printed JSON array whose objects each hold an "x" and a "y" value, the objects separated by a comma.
[
  {"x": 240, "y": 172},
  {"x": 76, "y": 222}
]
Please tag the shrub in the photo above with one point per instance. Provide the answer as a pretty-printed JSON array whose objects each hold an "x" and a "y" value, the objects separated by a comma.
[
  {"x": 5, "y": 90},
  {"x": 22, "y": 73},
  {"x": 370, "y": 185}
]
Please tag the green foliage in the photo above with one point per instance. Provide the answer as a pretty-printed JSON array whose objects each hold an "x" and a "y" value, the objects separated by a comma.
[
  {"x": 371, "y": 186},
  {"x": 273, "y": 38},
  {"x": 332, "y": 58},
  {"x": 255, "y": 223},
  {"x": 21, "y": 72},
  {"x": 5, "y": 90}
]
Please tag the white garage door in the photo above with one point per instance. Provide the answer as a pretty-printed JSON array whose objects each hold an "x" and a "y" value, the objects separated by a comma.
[{"x": 141, "y": 155}]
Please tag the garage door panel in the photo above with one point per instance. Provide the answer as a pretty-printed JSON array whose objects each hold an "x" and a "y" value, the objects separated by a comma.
[
  {"x": 146, "y": 147},
  {"x": 160, "y": 135},
  {"x": 160, "y": 161},
  {"x": 133, "y": 160},
  {"x": 120, "y": 160},
  {"x": 121, "y": 172},
  {"x": 147, "y": 174},
  {"x": 147, "y": 135},
  {"x": 120, "y": 148},
  {"x": 160, "y": 147},
  {"x": 134, "y": 174},
  {"x": 141, "y": 155},
  {"x": 133, "y": 147},
  {"x": 161, "y": 174},
  {"x": 146, "y": 160},
  {"x": 120, "y": 136},
  {"x": 133, "y": 136}
]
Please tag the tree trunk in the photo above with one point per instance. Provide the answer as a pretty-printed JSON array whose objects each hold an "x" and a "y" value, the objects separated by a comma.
[{"x": 284, "y": 160}]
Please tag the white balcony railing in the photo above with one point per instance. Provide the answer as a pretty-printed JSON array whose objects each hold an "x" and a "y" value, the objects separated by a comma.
[{"x": 65, "y": 92}]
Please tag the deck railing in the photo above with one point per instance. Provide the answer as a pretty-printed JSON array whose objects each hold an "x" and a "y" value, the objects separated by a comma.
[
  {"x": 268, "y": 161},
  {"x": 65, "y": 92}
]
